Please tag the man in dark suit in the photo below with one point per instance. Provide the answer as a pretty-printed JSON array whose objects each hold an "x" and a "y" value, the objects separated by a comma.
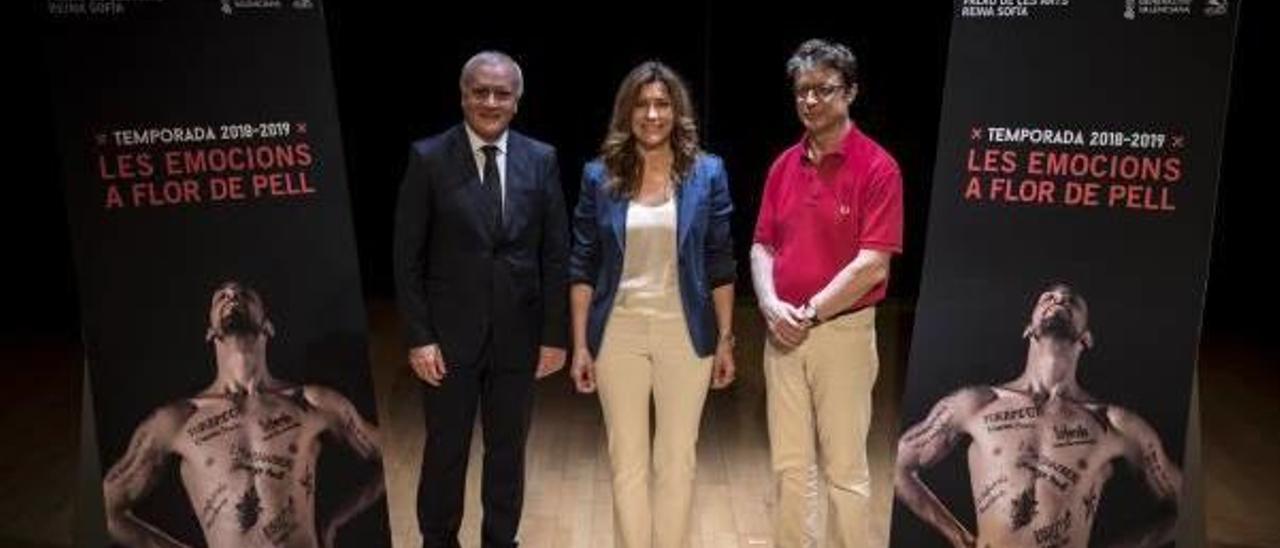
[{"x": 480, "y": 263}]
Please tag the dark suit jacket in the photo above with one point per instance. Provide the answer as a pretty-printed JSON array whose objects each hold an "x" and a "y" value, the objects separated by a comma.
[
  {"x": 459, "y": 278},
  {"x": 704, "y": 245}
]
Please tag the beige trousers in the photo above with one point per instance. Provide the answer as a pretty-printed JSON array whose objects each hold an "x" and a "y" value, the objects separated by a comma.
[
  {"x": 641, "y": 356},
  {"x": 819, "y": 407}
]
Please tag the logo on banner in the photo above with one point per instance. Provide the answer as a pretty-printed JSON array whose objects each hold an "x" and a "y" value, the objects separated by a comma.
[
  {"x": 92, "y": 8},
  {"x": 1214, "y": 8},
  {"x": 1134, "y": 8},
  {"x": 229, "y": 6}
]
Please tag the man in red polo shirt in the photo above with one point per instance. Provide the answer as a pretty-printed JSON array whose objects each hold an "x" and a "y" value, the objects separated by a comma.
[{"x": 830, "y": 219}]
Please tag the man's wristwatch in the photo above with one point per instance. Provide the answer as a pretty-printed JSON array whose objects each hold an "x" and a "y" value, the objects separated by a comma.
[{"x": 809, "y": 313}]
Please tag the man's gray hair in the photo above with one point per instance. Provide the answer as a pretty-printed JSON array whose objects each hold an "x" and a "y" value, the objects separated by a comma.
[{"x": 492, "y": 57}]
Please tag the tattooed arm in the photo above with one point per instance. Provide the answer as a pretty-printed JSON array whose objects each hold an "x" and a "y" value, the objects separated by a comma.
[
  {"x": 136, "y": 474},
  {"x": 346, "y": 424},
  {"x": 925, "y": 445},
  {"x": 1145, "y": 452}
]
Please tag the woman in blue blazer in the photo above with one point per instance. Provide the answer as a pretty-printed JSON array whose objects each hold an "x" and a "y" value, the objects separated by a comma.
[{"x": 652, "y": 273}]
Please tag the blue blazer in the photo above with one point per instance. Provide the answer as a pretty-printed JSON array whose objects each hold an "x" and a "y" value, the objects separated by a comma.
[{"x": 704, "y": 247}]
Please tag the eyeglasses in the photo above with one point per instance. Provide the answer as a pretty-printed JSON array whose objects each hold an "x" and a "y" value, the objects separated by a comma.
[
  {"x": 822, "y": 93},
  {"x": 500, "y": 95}
]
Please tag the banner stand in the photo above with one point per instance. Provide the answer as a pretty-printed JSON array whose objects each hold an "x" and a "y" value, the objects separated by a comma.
[
  {"x": 88, "y": 517},
  {"x": 1191, "y": 525}
]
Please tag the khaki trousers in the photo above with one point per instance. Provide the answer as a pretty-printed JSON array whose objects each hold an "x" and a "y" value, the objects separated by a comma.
[
  {"x": 642, "y": 356},
  {"x": 819, "y": 407}
]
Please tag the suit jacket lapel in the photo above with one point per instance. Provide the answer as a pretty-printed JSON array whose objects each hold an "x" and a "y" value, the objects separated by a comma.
[
  {"x": 686, "y": 208},
  {"x": 521, "y": 182},
  {"x": 618, "y": 218},
  {"x": 479, "y": 211}
]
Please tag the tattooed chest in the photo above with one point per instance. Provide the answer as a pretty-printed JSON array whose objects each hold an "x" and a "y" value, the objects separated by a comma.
[
  {"x": 244, "y": 455},
  {"x": 1037, "y": 503},
  {"x": 253, "y": 459},
  {"x": 258, "y": 497},
  {"x": 1037, "y": 494},
  {"x": 1035, "y": 517},
  {"x": 251, "y": 522},
  {"x": 1035, "y": 458},
  {"x": 249, "y": 468},
  {"x": 278, "y": 428},
  {"x": 1039, "y": 428},
  {"x": 213, "y": 426},
  {"x": 1036, "y": 473}
]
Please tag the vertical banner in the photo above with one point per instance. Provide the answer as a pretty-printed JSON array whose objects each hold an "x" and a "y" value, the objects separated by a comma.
[
  {"x": 224, "y": 326},
  {"x": 1063, "y": 284}
]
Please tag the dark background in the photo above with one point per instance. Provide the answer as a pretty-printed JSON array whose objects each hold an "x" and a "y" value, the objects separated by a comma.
[
  {"x": 397, "y": 80},
  {"x": 395, "y": 71}
]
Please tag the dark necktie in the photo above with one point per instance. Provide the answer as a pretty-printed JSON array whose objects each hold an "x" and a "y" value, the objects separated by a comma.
[{"x": 492, "y": 182}]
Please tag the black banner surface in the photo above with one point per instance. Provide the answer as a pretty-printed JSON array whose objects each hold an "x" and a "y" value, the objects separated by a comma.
[
  {"x": 224, "y": 326},
  {"x": 1064, "y": 276}
]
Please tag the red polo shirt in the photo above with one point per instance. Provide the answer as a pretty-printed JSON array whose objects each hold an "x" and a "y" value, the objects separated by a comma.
[{"x": 816, "y": 217}]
